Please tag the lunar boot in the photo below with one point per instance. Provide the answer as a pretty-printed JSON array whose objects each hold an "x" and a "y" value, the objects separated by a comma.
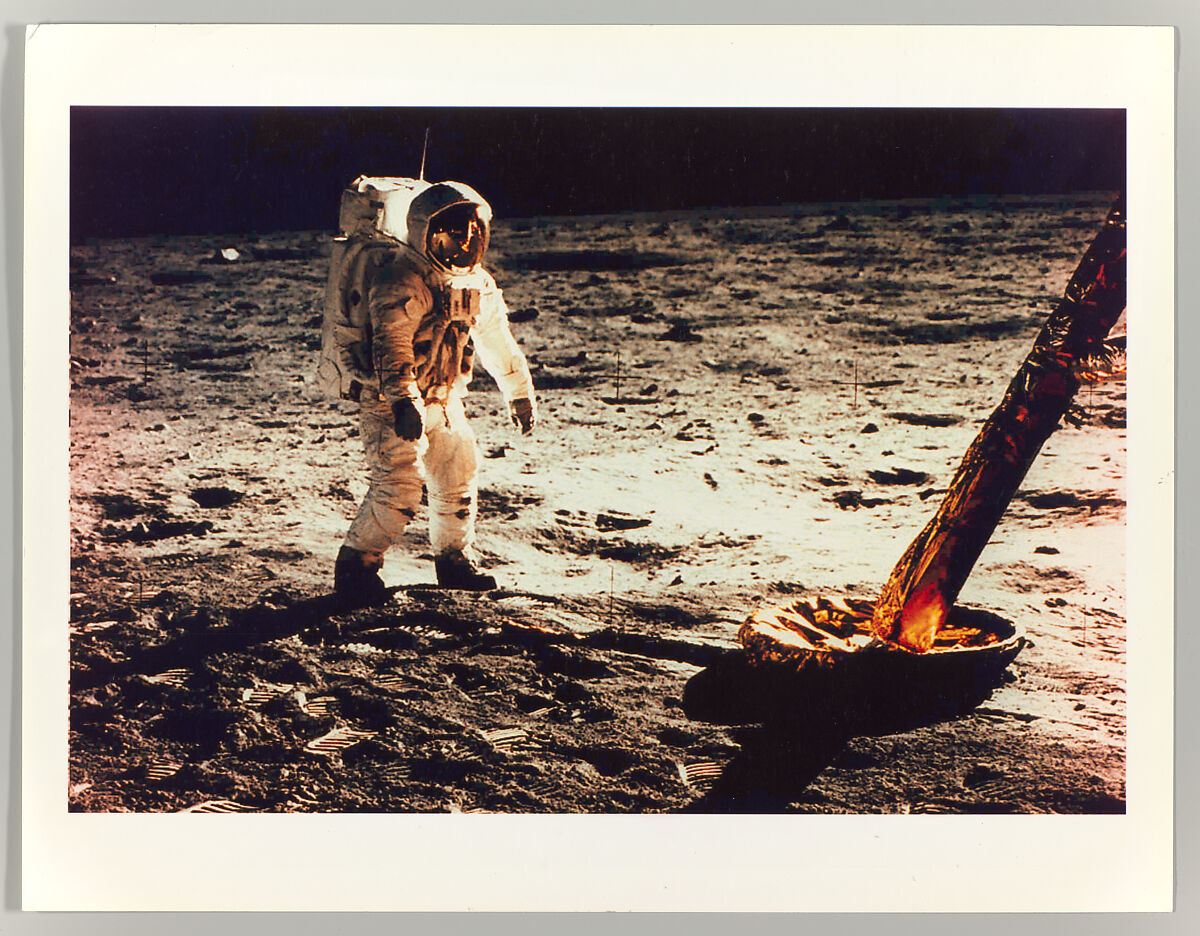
[
  {"x": 356, "y": 575},
  {"x": 456, "y": 570}
]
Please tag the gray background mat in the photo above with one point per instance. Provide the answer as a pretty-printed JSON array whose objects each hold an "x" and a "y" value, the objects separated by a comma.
[{"x": 1181, "y": 14}]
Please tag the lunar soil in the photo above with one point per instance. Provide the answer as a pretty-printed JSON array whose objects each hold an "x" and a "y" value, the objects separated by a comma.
[{"x": 738, "y": 407}]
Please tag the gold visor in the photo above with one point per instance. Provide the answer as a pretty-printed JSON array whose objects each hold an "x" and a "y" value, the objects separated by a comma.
[{"x": 457, "y": 237}]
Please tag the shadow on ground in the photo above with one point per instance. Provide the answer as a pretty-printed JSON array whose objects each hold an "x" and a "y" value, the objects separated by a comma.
[
  {"x": 205, "y": 631},
  {"x": 791, "y": 724}
]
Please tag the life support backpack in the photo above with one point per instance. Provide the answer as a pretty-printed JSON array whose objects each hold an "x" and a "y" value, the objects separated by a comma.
[{"x": 371, "y": 210}]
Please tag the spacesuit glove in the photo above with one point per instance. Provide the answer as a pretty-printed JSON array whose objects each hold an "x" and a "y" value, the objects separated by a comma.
[
  {"x": 407, "y": 419},
  {"x": 521, "y": 411}
]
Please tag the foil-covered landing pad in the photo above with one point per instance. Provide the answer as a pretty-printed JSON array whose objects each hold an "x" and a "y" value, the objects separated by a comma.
[
  {"x": 818, "y": 663},
  {"x": 821, "y": 632}
]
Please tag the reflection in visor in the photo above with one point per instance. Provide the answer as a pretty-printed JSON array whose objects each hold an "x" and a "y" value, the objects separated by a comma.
[{"x": 457, "y": 237}]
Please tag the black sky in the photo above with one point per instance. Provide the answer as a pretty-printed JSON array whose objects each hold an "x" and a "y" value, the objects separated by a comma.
[{"x": 157, "y": 170}]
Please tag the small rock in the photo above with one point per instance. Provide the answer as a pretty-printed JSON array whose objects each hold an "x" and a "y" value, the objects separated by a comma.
[
  {"x": 680, "y": 331},
  {"x": 870, "y": 427},
  {"x": 209, "y": 497},
  {"x": 223, "y": 255},
  {"x": 852, "y": 500},
  {"x": 933, "y": 420},
  {"x": 898, "y": 476},
  {"x": 618, "y": 520}
]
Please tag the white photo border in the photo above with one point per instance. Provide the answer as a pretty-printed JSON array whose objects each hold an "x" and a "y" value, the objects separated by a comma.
[{"x": 717, "y": 863}]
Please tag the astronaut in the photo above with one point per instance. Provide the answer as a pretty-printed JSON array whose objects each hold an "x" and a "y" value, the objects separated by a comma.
[{"x": 408, "y": 305}]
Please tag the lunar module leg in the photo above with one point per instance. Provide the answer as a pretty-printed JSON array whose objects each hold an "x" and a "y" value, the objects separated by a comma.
[{"x": 924, "y": 585}]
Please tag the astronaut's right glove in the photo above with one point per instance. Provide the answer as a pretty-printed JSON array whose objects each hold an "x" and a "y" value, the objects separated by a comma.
[
  {"x": 522, "y": 415},
  {"x": 407, "y": 419}
]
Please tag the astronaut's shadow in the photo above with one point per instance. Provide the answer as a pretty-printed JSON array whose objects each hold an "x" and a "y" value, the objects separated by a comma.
[
  {"x": 790, "y": 726},
  {"x": 210, "y": 630}
]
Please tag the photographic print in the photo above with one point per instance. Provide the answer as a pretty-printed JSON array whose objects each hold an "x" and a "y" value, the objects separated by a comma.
[
  {"x": 758, "y": 344},
  {"x": 651, "y": 459}
]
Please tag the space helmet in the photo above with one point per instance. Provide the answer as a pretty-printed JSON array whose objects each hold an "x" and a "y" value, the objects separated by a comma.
[{"x": 448, "y": 223}]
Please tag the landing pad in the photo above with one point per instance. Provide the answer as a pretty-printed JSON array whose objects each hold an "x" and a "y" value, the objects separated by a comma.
[{"x": 819, "y": 632}]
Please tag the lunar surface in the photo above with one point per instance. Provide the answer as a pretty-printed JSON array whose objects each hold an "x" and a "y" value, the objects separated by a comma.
[{"x": 738, "y": 408}]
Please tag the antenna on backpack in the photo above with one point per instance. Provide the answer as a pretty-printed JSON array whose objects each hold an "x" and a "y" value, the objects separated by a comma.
[{"x": 424, "y": 149}]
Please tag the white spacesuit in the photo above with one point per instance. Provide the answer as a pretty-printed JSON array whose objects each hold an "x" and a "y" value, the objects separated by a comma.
[{"x": 407, "y": 306}]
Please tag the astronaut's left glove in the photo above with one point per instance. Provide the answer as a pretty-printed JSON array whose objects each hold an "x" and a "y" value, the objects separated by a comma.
[{"x": 521, "y": 411}]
